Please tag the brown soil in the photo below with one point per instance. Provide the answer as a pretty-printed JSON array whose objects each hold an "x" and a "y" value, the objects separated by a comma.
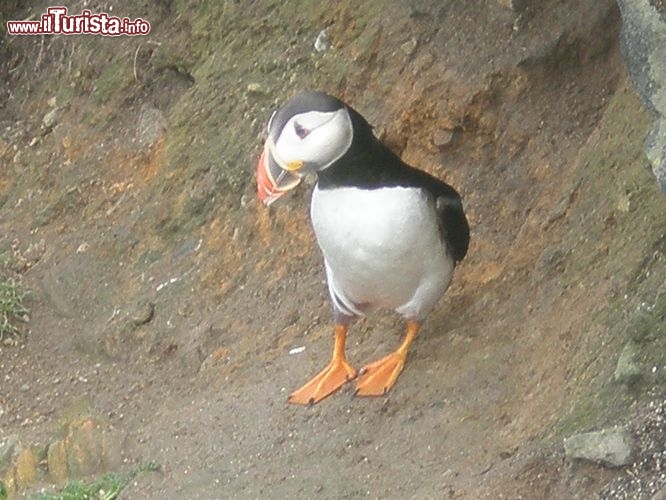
[{"x": 167, "y": 300}]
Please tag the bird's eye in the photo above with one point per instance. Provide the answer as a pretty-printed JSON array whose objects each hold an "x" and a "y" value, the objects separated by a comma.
[{"x": 301, "y": 131}]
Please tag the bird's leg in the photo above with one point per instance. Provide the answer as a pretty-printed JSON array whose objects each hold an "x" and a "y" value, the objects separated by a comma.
[
  {"x": 377, "y": 378},
  {"x": 331, "y": 378}
]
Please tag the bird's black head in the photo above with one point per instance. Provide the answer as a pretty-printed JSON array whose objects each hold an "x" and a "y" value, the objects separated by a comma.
[{"x": 308, "y": 134}]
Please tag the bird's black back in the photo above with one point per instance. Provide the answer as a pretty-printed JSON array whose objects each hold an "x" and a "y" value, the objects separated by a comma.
[{"x": 368, "y": 164}]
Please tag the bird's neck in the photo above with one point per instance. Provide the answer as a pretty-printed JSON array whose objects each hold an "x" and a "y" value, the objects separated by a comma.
[{"x": 368, "y": 164}]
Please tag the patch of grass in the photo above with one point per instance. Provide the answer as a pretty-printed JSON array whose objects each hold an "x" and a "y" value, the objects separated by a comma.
[
  {"x": 12, "y": 307},
  {"x": 107, "y": 487},
  {"x": 114, "y": 78}
]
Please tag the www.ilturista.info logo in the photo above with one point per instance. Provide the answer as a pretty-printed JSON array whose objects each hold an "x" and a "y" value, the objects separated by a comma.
[{"x": 57, "y": 22}]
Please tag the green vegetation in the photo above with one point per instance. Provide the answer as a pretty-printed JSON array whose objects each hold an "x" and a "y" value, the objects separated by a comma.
[
  {"x": 107, "y": 487},
  {"x": 12, "y": 308}
]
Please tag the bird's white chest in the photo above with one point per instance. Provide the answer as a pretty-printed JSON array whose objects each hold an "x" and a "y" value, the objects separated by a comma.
[{"x": 382, "y": 247}]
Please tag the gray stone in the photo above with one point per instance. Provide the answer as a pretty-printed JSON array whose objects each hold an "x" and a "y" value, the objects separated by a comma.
[
  {"x": 255, "y": 89},
  {"x": 655, "y": 150},
  {"x": 628, "y": 370},
  {"x": 409, "y": 46},
  {"x": 151, "y": 127},
  {"x": 9, "y": 449},
  {"x": 321, "y": 42},
  {"x": 643, "y": 43},
  {"x": 612, "y": 447},
  {"x": 50, "y": 119}
]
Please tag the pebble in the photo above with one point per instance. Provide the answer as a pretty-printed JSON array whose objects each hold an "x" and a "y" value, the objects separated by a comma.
[
  {"x": 255, "y": 89},
  {"x": 628, "y": 370},
  {"x": 409, "y": 47},
  {"x": 50, "y": 119},
  {"x": 321, "y": 42},
  {"x": 151, "y": 126},
  {"x": 144, "y": 313},
  {"x": 442, "y": 137}
]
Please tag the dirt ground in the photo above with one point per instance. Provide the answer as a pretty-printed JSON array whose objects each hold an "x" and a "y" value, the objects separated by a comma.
[{"x": 167, "y": 303}]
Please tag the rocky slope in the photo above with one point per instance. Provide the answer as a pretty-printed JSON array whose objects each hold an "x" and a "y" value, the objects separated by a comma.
[{"x": 166, "y": 301}]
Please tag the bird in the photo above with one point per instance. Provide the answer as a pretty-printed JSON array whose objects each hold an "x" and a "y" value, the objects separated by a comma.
[{"x": 390, "y": 234}]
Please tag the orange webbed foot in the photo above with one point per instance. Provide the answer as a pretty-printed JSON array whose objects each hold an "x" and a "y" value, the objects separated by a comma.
[
  {"x": 330, "y": 379},
  {"x": 377, "y": 378}
]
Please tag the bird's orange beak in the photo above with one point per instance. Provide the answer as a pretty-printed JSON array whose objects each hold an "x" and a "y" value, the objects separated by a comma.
[{"x": 272, "y": 180}]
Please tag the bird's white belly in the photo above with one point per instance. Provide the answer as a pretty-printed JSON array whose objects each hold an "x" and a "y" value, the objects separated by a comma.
[{"x": 382, "y": 248}]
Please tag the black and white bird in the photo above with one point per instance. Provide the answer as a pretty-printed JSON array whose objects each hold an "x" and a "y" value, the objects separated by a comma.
[{"x": 391, "y": 235}]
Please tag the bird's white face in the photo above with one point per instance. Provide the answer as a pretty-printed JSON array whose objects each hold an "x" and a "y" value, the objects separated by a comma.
[
  {"x": 312, "y": 141},
  {"x": 307, "y": 142}
]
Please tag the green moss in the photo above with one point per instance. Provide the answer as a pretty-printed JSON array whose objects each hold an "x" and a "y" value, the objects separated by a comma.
[
  {"x": 115, "y": 77},
  {"x": 647, "y": 333},
  {"x": 621, "y": 209}
]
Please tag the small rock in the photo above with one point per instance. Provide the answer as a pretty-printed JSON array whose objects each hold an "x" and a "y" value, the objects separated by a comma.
[
  {"x": 255, "y": 89},
  {"x": 89, "y": 446},
  {"x": 26, "y": 469},
  {"x": 610, "y": 447},
  {"x": 50, "y": 119},
  {"x": 628, "y": 370},
  {"x": 52, "y": 102},
  {"x": 321, "y": 42},
  {"x": 8, "y": 449},
  {"x": 442, "y": 137},
  {"x": 56, "y": 459},
  {"x": 409, "y": 46},
  {"x": 143, "y": 314},
  {"x": 151, "y": 127}
]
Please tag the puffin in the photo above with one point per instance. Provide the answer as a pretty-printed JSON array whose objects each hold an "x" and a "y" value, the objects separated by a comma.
[{"x": 390, "y": 234}]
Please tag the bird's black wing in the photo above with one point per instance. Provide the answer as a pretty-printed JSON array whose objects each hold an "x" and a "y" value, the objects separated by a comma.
[{"x": 453, "y": 225}]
